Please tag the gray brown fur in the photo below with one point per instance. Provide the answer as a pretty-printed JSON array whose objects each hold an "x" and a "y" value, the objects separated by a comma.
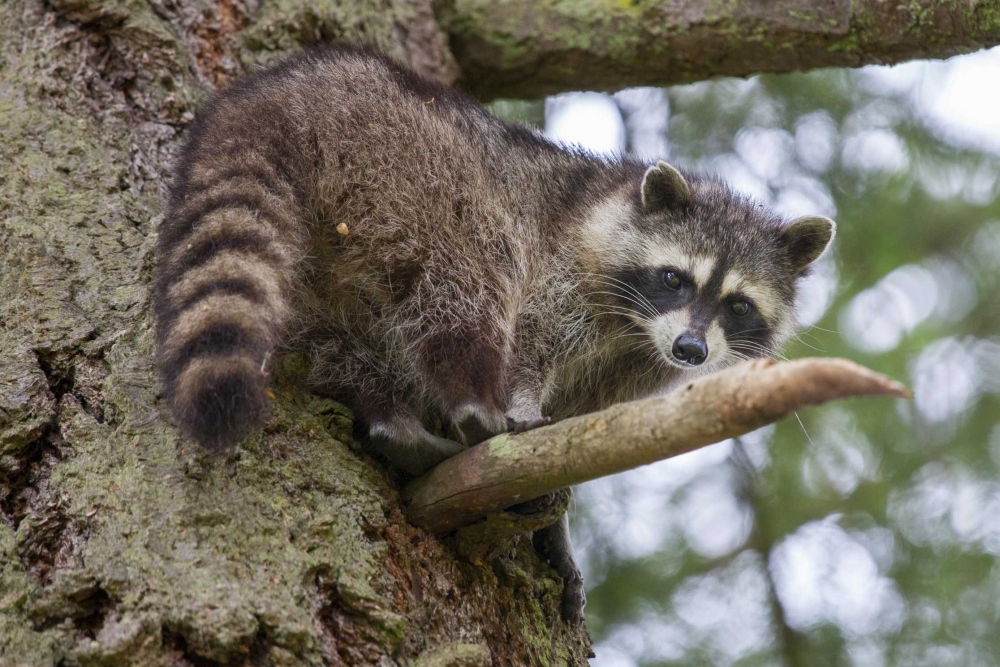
[{"x": 489, "y": 277}]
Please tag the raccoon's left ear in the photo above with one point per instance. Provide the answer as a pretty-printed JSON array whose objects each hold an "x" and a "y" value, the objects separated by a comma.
[
  {"x": 807, "y": 238},
  {"x": 664, "y": 187}
]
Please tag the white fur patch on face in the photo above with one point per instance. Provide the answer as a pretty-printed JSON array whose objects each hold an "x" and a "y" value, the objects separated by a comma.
[
  {"x": 718, "y": 349},
  {"x": 606, "y": 238},
  {"x": 665, "y": 255},
  {"x": 699, "y": 267},
  {"x": 784, "y": 329},
  {"x": 666, "y": 328},
  {"x": 764, "y": 298},
  {"x": 732, "y": 282}
]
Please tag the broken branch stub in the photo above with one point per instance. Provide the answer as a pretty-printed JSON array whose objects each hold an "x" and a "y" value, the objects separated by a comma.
[{"x": 514, "y": 468}]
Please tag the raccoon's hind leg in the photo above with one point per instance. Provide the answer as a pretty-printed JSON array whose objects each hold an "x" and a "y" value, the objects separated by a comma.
[
  {"x": 403, "y": 440},
  {"x": 396, "y": 433},
  {"x": 467, "y": 377},
  {"x": 380, "y": 399}
]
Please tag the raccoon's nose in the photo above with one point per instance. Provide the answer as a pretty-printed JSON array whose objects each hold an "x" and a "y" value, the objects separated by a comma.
[{"x": 690, "y": 350}]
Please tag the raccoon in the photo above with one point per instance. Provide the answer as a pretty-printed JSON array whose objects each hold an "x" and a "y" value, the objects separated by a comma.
[{"x": 436, "y": 264}]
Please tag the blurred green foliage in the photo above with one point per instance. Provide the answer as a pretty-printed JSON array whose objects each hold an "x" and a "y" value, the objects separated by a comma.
[{"x": 860, "y": 533}]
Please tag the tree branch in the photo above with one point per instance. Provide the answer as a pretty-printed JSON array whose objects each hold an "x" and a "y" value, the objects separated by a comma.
[
  {"x": 510, "y": 469},
  {"x": 528, "y": 48}
]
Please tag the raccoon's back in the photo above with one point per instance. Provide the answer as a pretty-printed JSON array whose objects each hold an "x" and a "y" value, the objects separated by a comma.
[{"x": 268, "y": 162}]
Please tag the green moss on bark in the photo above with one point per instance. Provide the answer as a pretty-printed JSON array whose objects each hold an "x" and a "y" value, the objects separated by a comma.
[
  {"x": 285, "y": 25},
  {"x": 405, "y": 30}
]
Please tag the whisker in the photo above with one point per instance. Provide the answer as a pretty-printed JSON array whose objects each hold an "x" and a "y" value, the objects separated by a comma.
[
  {"x": 643, "y": 306},
  {"x": 624, "y": 312},
  {"x": 811, "y": 347},
  {"x": 625, "y": 297},
  {"x": 749, "y": 346},
  {"x": 635, "y": 334},
  {"x": 746, "y": 331},
  {"x": 826, "y": 330},
  {"x": 619, "y": 284},
  {"x": 763, "y": 354},
  {"x": 806, "y": 333},
  {"x": 750, "y": 343},
  {"x": 799, "y": 419}
]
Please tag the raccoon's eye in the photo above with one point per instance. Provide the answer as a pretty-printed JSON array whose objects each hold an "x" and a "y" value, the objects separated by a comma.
[
  {"x": 740, "y": 308},
  {"x": 672, "y": 280}
]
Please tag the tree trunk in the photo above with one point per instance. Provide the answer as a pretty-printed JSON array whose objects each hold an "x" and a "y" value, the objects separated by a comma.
[{"x": 119, "y": 543}]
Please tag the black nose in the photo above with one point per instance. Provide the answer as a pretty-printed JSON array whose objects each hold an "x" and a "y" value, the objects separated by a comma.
[{"x": 690, "y": 350}]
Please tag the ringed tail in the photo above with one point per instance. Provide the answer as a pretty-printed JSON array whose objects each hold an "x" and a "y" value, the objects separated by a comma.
[{"x": 226, "y": 256}]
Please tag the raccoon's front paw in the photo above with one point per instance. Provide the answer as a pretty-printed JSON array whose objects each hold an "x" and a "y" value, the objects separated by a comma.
[
  {"x": 573, "y": 598},
  {"x": 520, "y": 426}
]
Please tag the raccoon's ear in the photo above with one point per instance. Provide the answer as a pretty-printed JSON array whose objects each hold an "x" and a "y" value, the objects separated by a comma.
[
  {"x": 807, "y": 238},
  {"x": 664, "y": 187}
]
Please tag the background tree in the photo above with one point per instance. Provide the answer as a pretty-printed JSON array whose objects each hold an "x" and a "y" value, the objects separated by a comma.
[
  {"x": 866, "y": 533},
  {"x": 121, "y": 545}
]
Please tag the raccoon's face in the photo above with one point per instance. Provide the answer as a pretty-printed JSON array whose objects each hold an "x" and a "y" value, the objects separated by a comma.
[{"x": 707, "y": 274}]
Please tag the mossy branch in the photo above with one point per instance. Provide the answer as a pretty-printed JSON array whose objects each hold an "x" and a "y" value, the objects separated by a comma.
[
  {"x": 529, "y": 48},
  {"x": 511, "y": 469}
]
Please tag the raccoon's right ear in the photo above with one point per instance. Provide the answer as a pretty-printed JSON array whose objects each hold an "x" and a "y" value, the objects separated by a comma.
[{"x": 664, "y": 187}]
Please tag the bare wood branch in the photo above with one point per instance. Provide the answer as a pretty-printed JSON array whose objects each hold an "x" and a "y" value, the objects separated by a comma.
[
  {"x": 510, "y": 469},
  {"x": 527, "y": 48}
]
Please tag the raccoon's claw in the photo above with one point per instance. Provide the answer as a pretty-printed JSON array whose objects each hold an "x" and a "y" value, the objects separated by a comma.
[
  {"x": 573, "y": 598},
  {"x": 520, "y": 426}
]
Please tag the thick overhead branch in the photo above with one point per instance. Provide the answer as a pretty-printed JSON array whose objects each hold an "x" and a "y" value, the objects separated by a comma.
[
  {"x": 526, "y": 48},
  {"x": 510, "y": 469}
]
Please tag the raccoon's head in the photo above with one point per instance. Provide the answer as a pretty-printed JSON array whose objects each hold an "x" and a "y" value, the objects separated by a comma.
[{"x": 707, "y": 274}]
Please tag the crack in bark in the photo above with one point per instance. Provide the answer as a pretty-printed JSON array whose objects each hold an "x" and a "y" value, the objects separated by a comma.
[
  {"x": 347, "y": 639},
  {"x": 23, "y": 475},
  {"x": 256, "y": 654},
  {"x": 54, "y": 539},
  {"x": 217, "y": 43}
]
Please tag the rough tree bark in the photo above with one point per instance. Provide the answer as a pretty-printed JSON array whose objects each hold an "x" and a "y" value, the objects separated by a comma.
[{"x": 119, "y": 544}]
